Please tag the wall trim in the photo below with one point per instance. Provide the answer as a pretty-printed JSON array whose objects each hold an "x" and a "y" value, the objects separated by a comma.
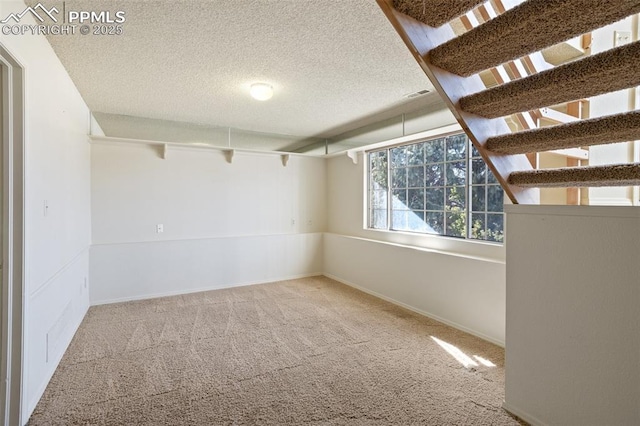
[
  {"x": 14, "y": 258},
  {"x": 223, "y": 237},
  {"x": 522, "y": 415},
  {"x": 59, "y": 272},
  {"x": 416, "y": 310},
  {"x": 202, "y": 289}
]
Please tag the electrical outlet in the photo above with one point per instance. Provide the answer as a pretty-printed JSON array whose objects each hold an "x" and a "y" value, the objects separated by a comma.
[
  {"x": 621, "y": 38},
  {"x": 159, "y": 228}
]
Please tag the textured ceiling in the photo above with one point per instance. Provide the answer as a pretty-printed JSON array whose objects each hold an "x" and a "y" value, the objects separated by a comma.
[{"x": 331, "y": 62}]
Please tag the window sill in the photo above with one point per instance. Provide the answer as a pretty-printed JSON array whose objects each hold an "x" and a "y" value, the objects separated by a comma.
[{"x": 476, "y": 249}]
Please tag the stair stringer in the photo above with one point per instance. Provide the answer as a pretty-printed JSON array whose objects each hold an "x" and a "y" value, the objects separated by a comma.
[{"x": 420, "y": 39}]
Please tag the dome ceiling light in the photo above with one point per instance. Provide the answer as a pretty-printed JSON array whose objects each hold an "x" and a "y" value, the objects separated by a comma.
[{"x": 261, "y": 91}]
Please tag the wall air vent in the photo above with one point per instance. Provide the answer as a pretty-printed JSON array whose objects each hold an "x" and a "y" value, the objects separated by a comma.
[{"x": 416, "y": 94}]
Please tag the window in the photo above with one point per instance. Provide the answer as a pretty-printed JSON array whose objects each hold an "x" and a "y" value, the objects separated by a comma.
[{"x": 440, "y": 186}]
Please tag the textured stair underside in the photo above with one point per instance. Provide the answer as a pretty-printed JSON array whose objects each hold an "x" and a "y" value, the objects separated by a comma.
[
  {"x": 420, "y": 38},
  {"x": 611, "y": 175},
  {"x": 479, "y": 110},
  {"x": 527, "y": 28},
  {"x": 609, "y": 71},
  {"x": 597, "y": 131},
  {"x": 435, "y": 12}
]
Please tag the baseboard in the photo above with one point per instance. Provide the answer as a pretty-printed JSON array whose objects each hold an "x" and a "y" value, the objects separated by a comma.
[
  {"x": 417, "y": 310},
  {"x": 200, "y": 289},
  {"x": 522, "y": 415}
]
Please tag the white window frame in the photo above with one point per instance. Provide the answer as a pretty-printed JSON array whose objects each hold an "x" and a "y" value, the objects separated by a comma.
[{"x": 468, "y": 187}]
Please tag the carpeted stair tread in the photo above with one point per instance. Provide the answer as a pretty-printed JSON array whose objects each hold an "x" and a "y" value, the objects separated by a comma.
[
  {"x": 527, "y": 28},
  {"x": 435, "y": 12},
  {"x": 611, "y": 175},
  {"x": 609, "y": 71},
  {"x": 596, "y": 131}
]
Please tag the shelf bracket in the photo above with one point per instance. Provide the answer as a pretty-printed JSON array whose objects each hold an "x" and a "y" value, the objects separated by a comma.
[
  {"x": 228, "y": 155},
  {"x": 165, "y": 151},
  {"x": 353, "y": 155},
  {"x": 285, "y": 159}
]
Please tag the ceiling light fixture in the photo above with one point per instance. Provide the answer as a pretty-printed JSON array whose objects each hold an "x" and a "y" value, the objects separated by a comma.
[{"x": 261, "y": 91}]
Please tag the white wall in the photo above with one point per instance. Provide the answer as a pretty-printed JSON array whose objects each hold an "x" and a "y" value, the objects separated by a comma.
[
  {"x": 57, "y": 170},
  {"x": 141, "y": 270},
  {"x": 573, "y": 323},
  {"x": 253, "y": 220},
  {"x": 459, "y": 282},
  {"x": 464, "y": 292}
]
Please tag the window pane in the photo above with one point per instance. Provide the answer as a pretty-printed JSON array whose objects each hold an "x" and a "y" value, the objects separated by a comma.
[
  {"x": 456, "y": 147},
  {"x": 456, "y": 224},
  {"x": 474, "y": 151},
  {"x": 478, "y": 202},
  {"x": 378, "y": 199},
  {"x": 398, "y": 156},
  {"x": 399, "y": 199},
  {"x": 478, "y": 226},
  {"x": 399, "y": 178},
  {"x": 435, "y": 198},
  {"x": 399, "y": 219},
  {"x": 416, "y": 223},
  {"x": 378, "y": 168},
  {"x": 478, "y": 172},
  {"x": 495, "y": 198},
  {"x": 434, "y": 175},
  {"x": 455, "y": 198},
  {"x": 379, "y": 219},
  {"x": 434, "y": 151},
  {"x": 415, "y": 177},
  {"x": 495, "y": 227},
  {"x": 456, "y": 173},
  {"x": 435, "y": 222},
  {"x": 416, "y": 199},
  {"x": 415, "y": 154}
]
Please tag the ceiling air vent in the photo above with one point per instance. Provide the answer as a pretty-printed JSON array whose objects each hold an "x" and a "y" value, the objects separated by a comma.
[{"x": 416, "y": 94}]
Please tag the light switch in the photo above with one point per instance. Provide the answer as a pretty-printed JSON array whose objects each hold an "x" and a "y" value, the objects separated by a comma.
[{"x": 159, "y": 228}]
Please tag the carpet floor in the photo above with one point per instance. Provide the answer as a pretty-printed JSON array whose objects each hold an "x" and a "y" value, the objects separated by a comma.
[{"x": 308, "y": 351}]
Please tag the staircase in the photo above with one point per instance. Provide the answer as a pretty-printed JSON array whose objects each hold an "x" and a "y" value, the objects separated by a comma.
[{"x": 512, "y": 39}]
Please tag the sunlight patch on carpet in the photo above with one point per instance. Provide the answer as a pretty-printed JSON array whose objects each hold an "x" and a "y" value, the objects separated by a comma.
[{"x": 460, "y": 356}]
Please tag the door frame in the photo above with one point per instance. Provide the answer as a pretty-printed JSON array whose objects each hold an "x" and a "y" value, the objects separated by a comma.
[{"x": 13, "y": 238}]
